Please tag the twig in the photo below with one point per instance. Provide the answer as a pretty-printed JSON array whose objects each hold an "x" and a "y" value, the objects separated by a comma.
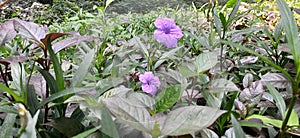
[{"x": 5, "y": 2}]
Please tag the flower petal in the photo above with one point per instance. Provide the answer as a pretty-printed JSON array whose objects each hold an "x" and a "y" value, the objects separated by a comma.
[
  {"x": 162, "y": 22},
  {"x": 167, "y": 39}
]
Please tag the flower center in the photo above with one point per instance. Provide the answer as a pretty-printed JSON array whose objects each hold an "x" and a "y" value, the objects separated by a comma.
[{"x": 167, "y": 28}]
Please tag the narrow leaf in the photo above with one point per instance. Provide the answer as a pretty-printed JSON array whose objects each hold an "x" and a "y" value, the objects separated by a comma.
[
  {"x": 7, "y": 126},
  {"x": 49, "y": 79},
  {"x": 86, "y": 133},
  {"x": 10, "y": 92},
  {"x": 266, "y": 120},
  {"x": 64, "y": 93},
  {"x": 83, "y": 69},
  {"x": 238, "y": 131},
  {"x": 278, "y": 98},
  {"x": 57, "y": 68},
  {"x": 108, "y": 128},
  {"x": 292, "y": 33},
  {"x": 233, "y": 13},
  {"x": 72, "y": 41}
]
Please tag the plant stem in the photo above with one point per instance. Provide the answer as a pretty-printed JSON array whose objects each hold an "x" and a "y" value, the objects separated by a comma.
[{"x": 290, "y": 109}]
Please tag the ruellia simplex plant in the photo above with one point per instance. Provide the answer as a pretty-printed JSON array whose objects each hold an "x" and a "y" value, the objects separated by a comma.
[{"x": 152, "y": 85}]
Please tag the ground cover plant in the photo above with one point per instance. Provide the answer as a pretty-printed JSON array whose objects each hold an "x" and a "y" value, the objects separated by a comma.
[{"x": 201, "y": 71}]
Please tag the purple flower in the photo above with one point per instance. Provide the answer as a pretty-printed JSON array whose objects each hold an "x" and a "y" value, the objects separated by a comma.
[
  {"x": 167, "y": 32},
  {"x": 149, "y": 82}
]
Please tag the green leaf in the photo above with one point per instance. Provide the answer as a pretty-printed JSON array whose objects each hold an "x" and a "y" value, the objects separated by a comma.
[
  {"x": 129, "y": 113},
  {"x": 223, "y": 20},
  {"x": 32, "y": 100},
  {"x": 9, "y": 91},
  {"x": 294, "y": 119},
  {"x": 230, "y": 3},
  {"x": 83, "y": 69},
  {"x": 188, "y": 119},
  {"x": 206, "y": 61},
  {"x": 187, "y": 72},
  {"x": 87, "y": 133},
  {"x": 232, "y": 14},
  {"x": 64, "y": 93},
  {"x": 18, "y": 76},
  {"x": 217, "y": 23},
  {"x": 57, "y": 67},
  {"x": 8, "y": 109},
  {"x": 278, "y": 30},
  {"x": 142, "y": 45},
  {"x": 238, "y": 131},
  {"x": 252, "y": 124},
  {"x": 165, "y": 56},
  {"x": 67, "y": 126},
  {"x": 49, "y": 79},
  {"x": 168, "y": 98},
  {"x": 222, "y": 85},
  {"x": 156, "y": 130},
  {"x": 266, "y": 120},
  {"x": 108, "y": 128},
  {"x": 278, "y": 99},
  {"x": 262, "y": 57},
  {"x": 7, "y": 126},
  {"x": 292, "y": 34}
]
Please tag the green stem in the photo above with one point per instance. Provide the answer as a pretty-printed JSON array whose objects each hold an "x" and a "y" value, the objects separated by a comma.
[
  {"x": 290, "y": 108},
  {"x": 287, "y": 116}
]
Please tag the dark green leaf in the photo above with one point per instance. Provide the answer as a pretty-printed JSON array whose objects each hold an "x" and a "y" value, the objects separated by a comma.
[
  {"x": 292, "y": 33},
  {"x": 86, "y": 133},
  {"x": 64, "y": 93},
  {"x": 57, "y": 67},
  {"x": 49, "y": 79},
  {"x": 168, "y": 98},
  {"x": 8, "y": 109},
  {"x": 278, "y": 98},
  {"x": 233, "y": 13},
  {"x": 83, "y": 69},
  {"x": 67, "y": 126},
  {"x": 238, "y": 131},
  {"x": 223, "y": 20},
  {"x": 9, "y": 91},
  {"x": 108, "y": 126},
  {"x": 217, "y": 23},
  {"x": 32, "y": 100}
]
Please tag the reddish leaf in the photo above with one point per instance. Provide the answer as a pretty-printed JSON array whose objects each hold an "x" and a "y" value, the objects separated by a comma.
[
  {"x": 14, "y": 59},
  {"x": 7, "y": 32},
  {"x": 75, "y": 40},
  {"x": 30, "y": 30},
  {"x": 278, "y": 80},
  {"x": 52, "y": 36}
]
